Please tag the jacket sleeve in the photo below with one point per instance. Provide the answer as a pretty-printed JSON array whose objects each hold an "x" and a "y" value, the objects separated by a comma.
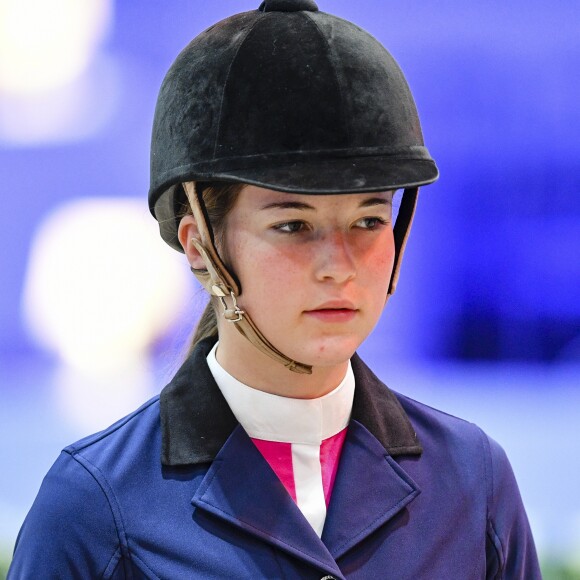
[
  {"x": 70, "y": 531},
  {"x": 510, "y": 550}
]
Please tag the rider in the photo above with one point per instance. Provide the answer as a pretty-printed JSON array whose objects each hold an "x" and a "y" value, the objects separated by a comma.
[{"x": 279, "y": 139}]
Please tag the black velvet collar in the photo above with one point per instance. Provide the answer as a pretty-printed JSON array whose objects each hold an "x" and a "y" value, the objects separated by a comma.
[{"x": 196, "y": 419}]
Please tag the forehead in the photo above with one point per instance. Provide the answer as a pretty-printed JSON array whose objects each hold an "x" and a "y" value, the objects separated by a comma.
[{"x": 261, "y": 199}]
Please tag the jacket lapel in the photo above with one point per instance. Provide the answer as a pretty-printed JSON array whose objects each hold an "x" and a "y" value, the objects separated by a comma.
[
  {"x": 377, "y": 408},
  {"x": 370, "y": 488},
  {"x": 241, "y": 489},
  {"x": 195, "y": 417}
]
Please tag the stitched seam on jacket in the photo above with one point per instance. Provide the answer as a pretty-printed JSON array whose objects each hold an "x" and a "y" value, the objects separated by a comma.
[
  {"x": 277, "y": 560},
  {"x": 487, "y": 471},
  {"x": 499, "y": 551},
  {"x": 72, "y": 450},
  {"x": 111, "y": 499},
  {"x": 115, "y": 558},
  {"x": 140, "y": 561},
  {"x": 490, "y": 494}
]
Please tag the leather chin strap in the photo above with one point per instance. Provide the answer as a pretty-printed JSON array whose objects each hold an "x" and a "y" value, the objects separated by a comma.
[
  {"x": 401, "y": 232},
  {"x": 220, "y": 283}
]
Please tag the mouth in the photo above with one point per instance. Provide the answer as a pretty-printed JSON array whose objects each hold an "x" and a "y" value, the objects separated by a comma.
[{"x": 333, "y": 311}]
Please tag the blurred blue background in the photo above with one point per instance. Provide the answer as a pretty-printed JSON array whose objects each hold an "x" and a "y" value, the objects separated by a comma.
[{"x": 486, "y": 320}]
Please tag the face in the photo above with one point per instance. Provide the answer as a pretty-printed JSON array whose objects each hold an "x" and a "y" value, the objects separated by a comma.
[{"x": 314, "y": 270}]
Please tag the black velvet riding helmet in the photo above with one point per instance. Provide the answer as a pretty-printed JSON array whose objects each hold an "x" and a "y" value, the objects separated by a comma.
[{"x": 287, "y": 98}]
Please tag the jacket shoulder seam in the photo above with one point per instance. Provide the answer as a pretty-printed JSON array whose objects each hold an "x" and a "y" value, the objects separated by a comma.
[
  {"x": 492, "y": 534},
  {"x": 435, "y": 410},
  {"x": 112, "y": 563},
  {"x": 91, "y": 440},
  {"x": 100, "y": 479},
  {"x": 497, "y": 547}
]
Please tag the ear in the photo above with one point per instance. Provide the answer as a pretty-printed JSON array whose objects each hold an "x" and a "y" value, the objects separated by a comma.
[{"x": 186, "y": 231}]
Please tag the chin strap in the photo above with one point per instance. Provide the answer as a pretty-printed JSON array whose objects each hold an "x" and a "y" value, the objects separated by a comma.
[
  {"x": 401, "y": 232},
  {"x": 219, "y": 282}
]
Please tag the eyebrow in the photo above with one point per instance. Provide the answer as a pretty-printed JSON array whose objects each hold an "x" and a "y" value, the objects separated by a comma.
[
  {"x": 369, "y": 202},
  {"x": 287, "y": 205}
]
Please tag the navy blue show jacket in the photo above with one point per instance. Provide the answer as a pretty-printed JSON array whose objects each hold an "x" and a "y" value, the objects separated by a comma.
[{"x": 178, "y": 490}]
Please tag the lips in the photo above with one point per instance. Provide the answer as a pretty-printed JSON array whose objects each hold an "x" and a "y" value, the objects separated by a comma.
[
  {"x": 334, "y": 305},
  {"x": 333, "y": 311}
]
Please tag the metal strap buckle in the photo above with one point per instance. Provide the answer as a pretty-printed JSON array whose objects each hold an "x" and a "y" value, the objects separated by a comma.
[{"x": 233, "y": 314}]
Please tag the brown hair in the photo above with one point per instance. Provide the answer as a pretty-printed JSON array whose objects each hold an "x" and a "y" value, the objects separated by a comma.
[{"x": 219, "y": 198}]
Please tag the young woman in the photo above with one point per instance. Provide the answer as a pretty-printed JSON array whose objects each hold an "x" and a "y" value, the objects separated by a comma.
[{"x": 280, "y": 136}]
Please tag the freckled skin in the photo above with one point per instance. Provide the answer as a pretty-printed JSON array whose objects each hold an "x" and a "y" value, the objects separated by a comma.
[{"x": 291, "y": 261}]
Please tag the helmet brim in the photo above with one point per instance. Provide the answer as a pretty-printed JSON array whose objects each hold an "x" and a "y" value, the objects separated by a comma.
[
  {"x": 316, "y": 177},
  {"x": 338, "y": 176}
]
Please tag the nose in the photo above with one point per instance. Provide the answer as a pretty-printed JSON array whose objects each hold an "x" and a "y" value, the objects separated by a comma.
[{"x": 335, "y": 258}]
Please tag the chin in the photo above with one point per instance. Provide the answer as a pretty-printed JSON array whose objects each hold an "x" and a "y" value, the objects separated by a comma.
[{"x": 328, "y": 352}]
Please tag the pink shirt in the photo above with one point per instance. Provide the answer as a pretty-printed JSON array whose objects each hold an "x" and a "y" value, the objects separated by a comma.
[{"x": 301, "y": 439}]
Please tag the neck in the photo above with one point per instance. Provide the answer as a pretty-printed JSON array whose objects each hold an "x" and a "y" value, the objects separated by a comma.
[{"x": 250, "y": 366}]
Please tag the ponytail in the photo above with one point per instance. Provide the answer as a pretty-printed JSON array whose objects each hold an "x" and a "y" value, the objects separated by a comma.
[{"x": 206, "y": 327}]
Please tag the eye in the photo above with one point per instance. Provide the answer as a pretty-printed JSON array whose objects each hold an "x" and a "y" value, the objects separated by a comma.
[
  {"x": 370, "y": 223},
  {"x": 292, "y": 227}
]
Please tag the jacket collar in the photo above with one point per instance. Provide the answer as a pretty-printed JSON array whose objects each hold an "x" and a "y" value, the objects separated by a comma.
[{"x": 196, "y": 420}]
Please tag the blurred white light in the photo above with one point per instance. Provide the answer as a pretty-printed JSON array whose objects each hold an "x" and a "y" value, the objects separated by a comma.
[
  {"x": 91, "y": 401},
  {"x": 46, "y": 44},
  {"x": 65, "y": 114},
  {"x": 101, "y": 285}
]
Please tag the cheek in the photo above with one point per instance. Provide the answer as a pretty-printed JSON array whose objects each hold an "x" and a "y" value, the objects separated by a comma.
[
  {"x": 379, "y": 259},
  {"x": 386, "y": 263},
  {"x": 267, "y": 273}
]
